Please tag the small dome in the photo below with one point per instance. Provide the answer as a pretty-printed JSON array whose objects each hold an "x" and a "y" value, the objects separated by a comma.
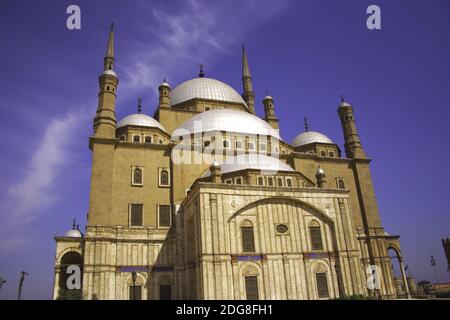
[
  {"x": 140, "y": 119},
  {"x": 308, "y": 137},
  {"x": 228, "y": 120},
  {"x": 252, "y": 161},
  {"x": 74, "y": 233},
  {"x": 109, "y": 72},
  {"x": 320, "y": 171},
  {"x": 268, "y": 97},
  {"x": 205, "y": 88},
  {"x": 344, "y": 104},
  {"x": 164, "y": 84}
]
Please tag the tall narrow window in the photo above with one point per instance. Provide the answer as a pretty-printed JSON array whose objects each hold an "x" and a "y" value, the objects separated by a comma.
[
  {"x": 289, "y": 182},
  {"x": 316, "y": 238},
  {"x": 322, "y": 285},
  {"x": 137, "y": 176},
  {"x": 341, "y": 184},
  {"x": 248, "y": 241},
  {"x": 260, "y": 181},
  {"x": 165, "y": 292},
  {"x": 270, "y": 182},
  {"x": 164, "y": 216},
  {"x": 136, "y": 215},
  {"x": 251, "y": 287},
  {"x": 280, "y": 182},
  {"x": 135, "y": 292},
  {"x": 164, "y": 177},
  {"x": 226, "y": 144}
]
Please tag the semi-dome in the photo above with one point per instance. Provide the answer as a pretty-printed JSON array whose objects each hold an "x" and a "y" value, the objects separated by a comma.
[
  {"x": 140, "y": 119},
  {"x": 73, "y": 233},
  {"x": 205, "y": 88},
  {"x": 228, "y": 120},
  {"x": 308, "y": 137},
  {"x": 251, "y": 161}
]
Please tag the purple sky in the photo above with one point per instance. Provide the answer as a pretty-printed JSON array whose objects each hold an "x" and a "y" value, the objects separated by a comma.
[{"x": 306, "y": 53}]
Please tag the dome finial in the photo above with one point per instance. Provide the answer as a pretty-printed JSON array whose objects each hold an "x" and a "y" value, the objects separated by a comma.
[
  {"x": 306, "y": 124},
  {"x": 74, "y": 224},
  {"x": 342, "y": 98},
  {"x": 139, "y": 105},
  {"x": 201, "y": 73}
]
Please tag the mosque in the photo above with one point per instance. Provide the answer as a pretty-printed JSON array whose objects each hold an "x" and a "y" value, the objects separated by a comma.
[{"x": 205, "y": 200}]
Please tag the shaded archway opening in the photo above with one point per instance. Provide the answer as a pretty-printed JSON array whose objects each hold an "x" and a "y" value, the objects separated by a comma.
[{"x": 66, "y": 290}]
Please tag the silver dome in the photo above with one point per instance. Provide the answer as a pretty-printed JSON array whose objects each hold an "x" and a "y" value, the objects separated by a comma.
[
  {"x": 252, "y": 161},
  {"x": 73, "y": 233},
  {"x": 308, "y": 137},
  {"x": 109, "y": 72},
  {"x": 140, "y": 119},
  {"x": 205, "y": 88},
  {"x": 228, "y": 120}
]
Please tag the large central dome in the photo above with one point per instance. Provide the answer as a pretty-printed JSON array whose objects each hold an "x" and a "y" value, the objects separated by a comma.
[
  {"x": 227, "y": 120},
  {"x": 205, "y": 88}
]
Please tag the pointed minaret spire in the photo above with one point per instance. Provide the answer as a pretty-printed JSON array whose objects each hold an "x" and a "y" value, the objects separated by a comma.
[
  {"x": 139, "y": 105},
  {"x": 306, "y": 124},
  {"x": 245, "y": 67},
  {"x": 248, "y": 94},
  {"x": 105, "y": 118},
  {"x": 109, "y": 57}
]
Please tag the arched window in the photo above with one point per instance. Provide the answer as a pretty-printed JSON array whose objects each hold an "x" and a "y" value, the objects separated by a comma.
[
  {"x": 270, "y": 182},
  {"x": 164, "y": 178},
  {"x": 136, "y": 138},
  {"x": 248, "y": 239},
  {"x": 137, "y": 176},
  {"x": 148, "y": 139},
  {"x": 289, "y": 182},
  {"x": 226, "y": 143},
  {"x": 341, "y": 184},
  {"x": 315, "y": 235},
  {"x": 260, "y": 181},
  {"x": 280, "y": 182}
]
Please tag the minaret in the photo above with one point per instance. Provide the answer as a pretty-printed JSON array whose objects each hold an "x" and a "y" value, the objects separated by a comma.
[
  {"x": 164, "y": 94},
  {"x": 353, "y": 147},
  {"x": 105, "y": 119},
  {"x": 248, "y": 94},
  {"x": 269, "y": 111}
]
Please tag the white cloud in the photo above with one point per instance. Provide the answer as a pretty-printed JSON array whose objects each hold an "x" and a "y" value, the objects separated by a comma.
[
  {"x": 198, "y": 33},
  {"x": 36, "y": 191}
]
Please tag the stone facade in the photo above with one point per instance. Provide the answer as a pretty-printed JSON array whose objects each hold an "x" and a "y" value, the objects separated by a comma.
[{"x": 313, "y": 233}]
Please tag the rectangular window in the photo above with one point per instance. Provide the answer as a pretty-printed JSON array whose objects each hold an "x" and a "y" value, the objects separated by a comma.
[
  {"x": 136, "y": 215},
  {"x": 248, "y": 242},
  {"x": 165, "y": 292},
  {"x": 164, "y": 216},
  {"x": 262, "y": 147},
  {"x": 251, "y": 146},
  {"x": 238, "y": 144},
  {"x": 251, "y": 288},
  {"x": 135, "y": 293},
  {"x": 322, "y": 285},
  {"x": 316, "y": 238}
]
